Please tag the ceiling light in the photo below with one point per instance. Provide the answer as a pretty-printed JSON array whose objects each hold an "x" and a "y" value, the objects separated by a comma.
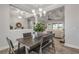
[
  {"x": 22, "y": 12},
  {"x": 40, "y": 9},
  {"x": 19, "y": 17},
  {"x": 44, "y": 12},
  {"x": 33, "y": 11}
]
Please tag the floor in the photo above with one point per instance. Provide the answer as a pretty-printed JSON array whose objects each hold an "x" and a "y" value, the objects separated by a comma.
[{"x": 60, "y": 48}]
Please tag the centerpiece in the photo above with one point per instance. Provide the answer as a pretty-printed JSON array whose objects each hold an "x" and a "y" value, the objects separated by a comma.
[{"x": 39, "y": 28}]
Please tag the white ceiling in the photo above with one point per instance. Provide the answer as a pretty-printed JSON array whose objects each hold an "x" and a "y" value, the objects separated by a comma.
[
  {"x": 29, "y": 7},
  {"x": 25, "y": 10}
]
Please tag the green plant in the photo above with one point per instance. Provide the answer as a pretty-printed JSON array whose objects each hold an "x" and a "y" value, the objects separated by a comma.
[{"x": 39, "y": 27}]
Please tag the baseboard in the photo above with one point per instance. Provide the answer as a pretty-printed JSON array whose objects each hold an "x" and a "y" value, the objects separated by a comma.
[
  {"x": 6, "y": 47},
  {"x": 72, "y": 46}
]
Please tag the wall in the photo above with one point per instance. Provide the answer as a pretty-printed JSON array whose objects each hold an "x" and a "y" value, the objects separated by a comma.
[
  {"x": 4, "y": 24},
  {"x": 5, "y": 30},
  {"x": 30, "y": 22},
  {"x": 14, "y": 34},
  {"x": 72, "y": 26},
  {"x": 14, "y": 20}
]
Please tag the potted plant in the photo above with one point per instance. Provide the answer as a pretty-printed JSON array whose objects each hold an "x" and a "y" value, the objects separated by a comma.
[{"x": 39, "y": 28}]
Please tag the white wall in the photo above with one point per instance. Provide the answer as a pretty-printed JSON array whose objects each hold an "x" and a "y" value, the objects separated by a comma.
[
  {"x": 4, "y": 24},
  {"x": 14, "y": 20},
  {"x": 72, "y": 26},
  {"x": 5, "y": 30},
  {"x": 14, "y": 34}
]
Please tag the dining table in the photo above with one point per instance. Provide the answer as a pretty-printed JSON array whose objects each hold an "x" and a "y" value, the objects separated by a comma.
[{"x": 29, "y": 42}]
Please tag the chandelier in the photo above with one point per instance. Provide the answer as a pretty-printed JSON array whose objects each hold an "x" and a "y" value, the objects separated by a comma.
[{"x": 40, "y": 12}]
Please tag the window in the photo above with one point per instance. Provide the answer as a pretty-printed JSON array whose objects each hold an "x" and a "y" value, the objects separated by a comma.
[
  {"x": 49, "y": 26},
  {"x": 57, "y": 26}
]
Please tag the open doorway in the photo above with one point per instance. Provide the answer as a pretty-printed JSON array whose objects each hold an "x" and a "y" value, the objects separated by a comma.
[
  {"x": 57, "y": 24},
  {"x": 58, "y": 30}
]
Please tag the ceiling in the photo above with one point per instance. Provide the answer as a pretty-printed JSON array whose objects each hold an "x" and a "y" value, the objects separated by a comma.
[
  {"x": 15, "y": 12},
  {"x": 25, "y": 10},
  {"x": 29, "y": 7}
]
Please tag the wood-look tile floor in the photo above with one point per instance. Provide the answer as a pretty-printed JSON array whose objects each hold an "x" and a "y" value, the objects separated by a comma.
[{"x": 60, "y": 49}]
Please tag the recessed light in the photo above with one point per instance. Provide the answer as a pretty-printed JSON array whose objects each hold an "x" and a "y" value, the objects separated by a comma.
[
  {"x": 19, "y": 17},
  {"x": 44, "y": 12},
  {"x": 33, "y": 11},
  {"x": 40, "y": 9}
]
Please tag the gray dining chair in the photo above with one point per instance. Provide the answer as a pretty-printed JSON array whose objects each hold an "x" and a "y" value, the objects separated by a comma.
[
  {"x": 45, "y": 42},
  {"x": 12, "y": 50},
  {"x": 51, "y": 32},
  {"x": 27, "y": 35}
]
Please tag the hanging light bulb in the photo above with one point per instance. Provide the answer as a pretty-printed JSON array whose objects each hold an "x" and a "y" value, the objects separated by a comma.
[
  {"x": 33, "y": 11},
  {"x": 40, "y": 9},
  {"x": 40, "y": 12},
  {"x": 19, "y": 17},
  {"x": 44, "y": 12}
]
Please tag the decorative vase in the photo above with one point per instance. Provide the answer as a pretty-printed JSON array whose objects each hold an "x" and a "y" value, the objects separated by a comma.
[{"x": 38, "y": 34}]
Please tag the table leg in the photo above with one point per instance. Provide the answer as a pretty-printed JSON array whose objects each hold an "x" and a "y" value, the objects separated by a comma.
[
  {"x": 18, "y": 45},
  {"x": 26, "y": 50}
]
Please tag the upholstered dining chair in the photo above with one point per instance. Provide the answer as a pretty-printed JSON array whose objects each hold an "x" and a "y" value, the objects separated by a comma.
[{"x": 12, "y": 50}]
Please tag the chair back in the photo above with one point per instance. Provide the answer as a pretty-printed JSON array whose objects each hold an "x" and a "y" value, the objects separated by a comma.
[
  {"x": 49, "y": 32},
  {"x": 10, "y": 43},
  {"x": 11, "y": 47},
  {"x": 46, "y": 38},
  {"x": 45, "y": 42},
  {"x": 27, "y": 35}
]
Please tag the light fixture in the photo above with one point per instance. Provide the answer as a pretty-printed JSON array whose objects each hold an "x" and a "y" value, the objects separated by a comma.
[
  {"x": 44, "y": 12},
  {"x": 41, "y": 12},
  {"x": 40, "y": 9},
  {"x": 21, "y": 12},
  {"x": 19, "y": 17},
  {"x": 33, "y": 11}
]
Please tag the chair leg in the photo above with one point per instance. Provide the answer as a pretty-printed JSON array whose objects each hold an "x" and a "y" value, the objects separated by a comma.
[
  {"x": 53, "y": 46},
  {"x": 54, "y": 50},
  {"x": 9, "y": 50},
  {"x": 27, "y": 52},
  {"x": 18, "y": 45},
  {"x": 40, "y": 51}
]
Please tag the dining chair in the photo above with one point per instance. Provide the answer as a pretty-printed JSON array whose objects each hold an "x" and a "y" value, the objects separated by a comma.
[
  {"x": 12, "y": 50},
  {"x": 45, "y": 42},
  {"x": 27, "y": 35},
  {"x": 51, "y": 32}
]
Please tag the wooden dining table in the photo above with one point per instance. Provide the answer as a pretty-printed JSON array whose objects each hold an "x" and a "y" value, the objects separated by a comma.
[{"x": 29, "y": 43}]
